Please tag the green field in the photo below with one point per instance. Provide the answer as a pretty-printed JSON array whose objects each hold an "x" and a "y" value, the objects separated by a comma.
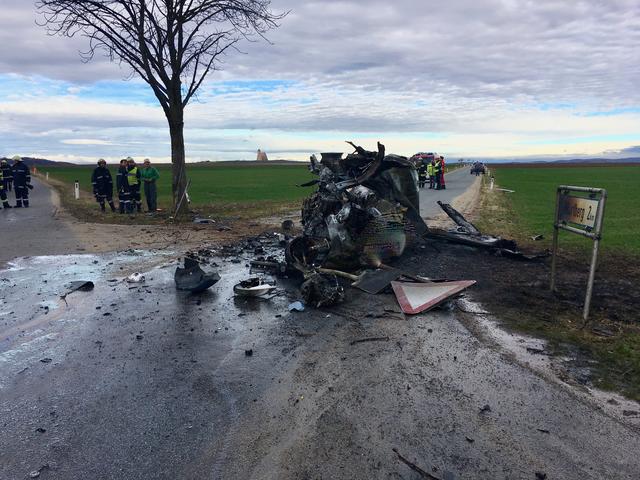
[
  {"x": 216, "y": 185},
  {"x": 532, "y": 206}
]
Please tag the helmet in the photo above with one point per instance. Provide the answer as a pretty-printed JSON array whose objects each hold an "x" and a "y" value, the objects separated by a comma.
[
  {"x": 129, "y": 159},
  {"x": 102, "y": 160},
  {"x": 16, "y": 158}
]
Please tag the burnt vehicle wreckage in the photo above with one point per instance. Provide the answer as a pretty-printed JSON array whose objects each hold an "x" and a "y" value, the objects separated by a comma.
[{"x": 364, "y": 213}]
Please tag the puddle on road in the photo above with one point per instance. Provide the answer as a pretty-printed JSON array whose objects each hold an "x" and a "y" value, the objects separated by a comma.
[{"x": 532, "y": 352}]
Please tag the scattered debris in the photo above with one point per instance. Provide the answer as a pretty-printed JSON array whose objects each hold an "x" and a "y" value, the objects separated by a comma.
[
  {"x": 485, "y": 408},
  {"x": 296, "y": 307},
  {"x": 630, "y": 413},
  {"x": 506, "y": 190},
  {"x": 46, "y": 360},
  {"x": 541, "y": 476},
  {"x": 369, "y": 339},
  {"x": 79, "y": 285},
  {"x": 469, "y": 439},
  {"x": 253, "y": 287},
  {"x": 36, "y": 473},
  {"x": 248, "y": 353},
  {"x": 537, "y": 350},
  {"x": 543, "y": 430},
  {"x": 287, "y": 225},
  {"x": 468, "y": 234},
  {"x": 204, "y": 220},
  {"x": 414, "y": 467},
  {"x": 537, "y": 238},
  {"x": 419, "y": 297},
  {"x": 135, "y": 278},
  {"x": 321, "y": 290},
  {"x": 192, "y": 278}
]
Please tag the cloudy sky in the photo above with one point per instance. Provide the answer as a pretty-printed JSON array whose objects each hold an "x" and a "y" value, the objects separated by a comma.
[{"x": 465, "y": 78}]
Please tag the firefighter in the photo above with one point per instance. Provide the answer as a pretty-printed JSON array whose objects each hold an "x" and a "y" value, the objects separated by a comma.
[
  {"x": 431, "y": 173},
  {"x": 133, "y": 180},
  {"x": 7, "y": 174},
  {"x": 21, "y": 182},
  {"x": 422, "y": 175},
  {"x": 437, "y": 170},
  {"x": 443, "y": 186},
  {"x": 103, "y": 185},
  {"x": 3, "y": 191},
  {"x": 124, "y": 194}
]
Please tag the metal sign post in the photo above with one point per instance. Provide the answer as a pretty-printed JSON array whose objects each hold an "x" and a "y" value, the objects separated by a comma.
[{"x": 582, "y": 214}]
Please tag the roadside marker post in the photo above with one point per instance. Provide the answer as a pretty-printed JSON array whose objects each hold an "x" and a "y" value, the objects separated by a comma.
[
  {"x": 76, "y": 190},
  {"x": 581, "y": 214}
]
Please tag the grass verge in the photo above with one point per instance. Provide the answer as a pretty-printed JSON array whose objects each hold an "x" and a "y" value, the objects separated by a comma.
[{"x": 609, "y": 345}]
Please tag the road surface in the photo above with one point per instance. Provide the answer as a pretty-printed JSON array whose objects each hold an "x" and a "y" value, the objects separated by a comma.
[
  {"x": 140, "y": 381},
  {"x": 35, "y": 230},
  {"x": 457, "y": 183}
]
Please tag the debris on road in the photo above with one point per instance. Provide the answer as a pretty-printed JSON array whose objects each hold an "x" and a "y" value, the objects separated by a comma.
[
  {"x": 296, "y": 307},
  {"x": 192, "y": 278},
  {"x": 369, "y": 339},
  {"x": 414, "y": 467},
  {"x": 79, "y": 285},
  {"x": 537, "y": 238},
  {"x": 321, "y": 290},
  {"x": 419, "y": 297},
  {"x": 468, "y": 234},
  {"x": 135, "y": 278},
  {"x": 253, "y": 287}
]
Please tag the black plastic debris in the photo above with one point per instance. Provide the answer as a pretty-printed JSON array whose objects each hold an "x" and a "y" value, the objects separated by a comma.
[{"x": 192, "y": 278}]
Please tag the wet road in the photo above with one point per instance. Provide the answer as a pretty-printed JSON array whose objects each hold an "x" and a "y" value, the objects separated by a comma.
[
  {"x": 142, "y": 382},
  {"x": 35, "y": 230},
  {"x": 457, "y": 183}
]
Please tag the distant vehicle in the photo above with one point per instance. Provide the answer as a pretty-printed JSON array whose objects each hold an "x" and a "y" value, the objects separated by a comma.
[
  {"x": 477, "y": 168},
  {"x": 423, "y": 158}
]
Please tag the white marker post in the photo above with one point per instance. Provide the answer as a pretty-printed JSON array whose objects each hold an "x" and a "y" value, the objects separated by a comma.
[
  {"x": 582, "y": 215},
  {"x": 76, "y": 190}
]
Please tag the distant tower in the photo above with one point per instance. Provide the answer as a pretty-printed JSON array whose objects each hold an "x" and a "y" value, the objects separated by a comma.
[{"x": 262, "y": 156}]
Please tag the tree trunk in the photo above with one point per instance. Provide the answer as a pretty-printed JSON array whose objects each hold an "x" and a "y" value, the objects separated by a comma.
[{"x": 178, "y": 169}]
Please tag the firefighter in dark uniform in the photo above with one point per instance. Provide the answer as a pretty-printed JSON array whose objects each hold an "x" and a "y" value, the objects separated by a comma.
[
  {"x": 133, "y": 179},
  {"x": 124, "y": 195},
  {"x": 21, "y": 182},
  {"x": 7, "y": 174},
  {"x": 103, "y": 185},
  {"x": 422, "y": 174},
  {"x": 3, "y": 191}
]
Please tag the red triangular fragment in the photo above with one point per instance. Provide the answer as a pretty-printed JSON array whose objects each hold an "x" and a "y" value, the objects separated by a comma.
[{"x": 419, "y": 297}]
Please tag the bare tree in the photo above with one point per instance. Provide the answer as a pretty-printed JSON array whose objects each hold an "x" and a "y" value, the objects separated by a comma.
[{"x": 171, "y": 44}]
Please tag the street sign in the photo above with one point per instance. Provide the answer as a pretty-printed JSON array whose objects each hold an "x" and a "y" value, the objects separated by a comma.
[{"x": 579, "y": 210}]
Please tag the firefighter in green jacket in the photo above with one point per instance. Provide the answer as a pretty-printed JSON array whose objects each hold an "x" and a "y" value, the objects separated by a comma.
[
  {"x": 133, "y": 180},
  {"x": 431, "y": 171},
  {"x": 149, "y": 176}
]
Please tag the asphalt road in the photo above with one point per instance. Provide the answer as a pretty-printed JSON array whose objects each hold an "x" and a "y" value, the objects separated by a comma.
[
  {"x": 140, "y": 381},
  {"x": 457, "y": 183},
  {"x": 35, "y": 230}
]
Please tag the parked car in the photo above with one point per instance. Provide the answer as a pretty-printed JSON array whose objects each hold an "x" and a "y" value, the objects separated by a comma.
[{"x": 477, "y": 168}]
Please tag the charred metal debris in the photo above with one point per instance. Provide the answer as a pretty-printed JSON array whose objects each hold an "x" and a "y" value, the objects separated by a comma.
[{"x": 364, "y": 212}]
